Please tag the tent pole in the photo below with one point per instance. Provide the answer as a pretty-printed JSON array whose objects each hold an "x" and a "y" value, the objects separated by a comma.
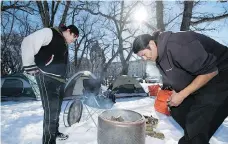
[{"x": 90, "y": 115}]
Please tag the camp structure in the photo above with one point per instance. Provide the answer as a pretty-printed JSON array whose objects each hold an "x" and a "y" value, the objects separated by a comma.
[
  {"x": 80, "y": 84},
  {"x": 19, "y": 86},
  {"x": 81, "y": 90},
  {"x": 126, "y": 86},
  {"x": 23, "y": 86}
]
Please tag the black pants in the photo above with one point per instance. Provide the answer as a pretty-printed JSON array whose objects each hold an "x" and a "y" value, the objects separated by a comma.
[
  {"x": 201, "y": 113},
  {"x": 51, "y": 102}
]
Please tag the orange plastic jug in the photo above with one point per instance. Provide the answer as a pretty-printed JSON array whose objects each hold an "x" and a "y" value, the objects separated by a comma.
[
  {"x": 160, "y": 104},
  {"x": 153, "y": 90}
]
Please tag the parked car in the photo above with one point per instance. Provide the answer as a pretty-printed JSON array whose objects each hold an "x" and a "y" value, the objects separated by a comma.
[
  {"x": 154, "y": 79},
  {"x": 139, "y": 79}
]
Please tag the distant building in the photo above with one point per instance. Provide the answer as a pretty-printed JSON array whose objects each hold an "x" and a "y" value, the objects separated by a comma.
[
  {"x": 93, "y": 64},
  {"x": 85, "y": 65},
  {"x": 137, "y": 68},
  {"x": 97, "y": 59},
  {"x": 151, "y": 69},
  {"x": 114, "y": 69}
]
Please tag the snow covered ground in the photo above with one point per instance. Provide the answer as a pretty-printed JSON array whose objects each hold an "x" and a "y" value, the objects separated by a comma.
[{"x": 21, "y": 123}]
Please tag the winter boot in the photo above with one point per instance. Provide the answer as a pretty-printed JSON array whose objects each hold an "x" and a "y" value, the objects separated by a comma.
[{"x": 61, "y": 136}]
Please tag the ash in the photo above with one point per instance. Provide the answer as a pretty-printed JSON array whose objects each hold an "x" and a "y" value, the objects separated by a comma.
[{"x": 118, "y": 119}]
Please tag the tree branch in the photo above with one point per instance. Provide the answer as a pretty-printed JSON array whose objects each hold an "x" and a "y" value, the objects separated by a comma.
[
  {"x": 209, "y": 19},
  {"x": 14, "y": 6},
  {"x": 65, "y": 13},
  {"x": 46, "y": 13},
  {"x": 41, "y": 11}
]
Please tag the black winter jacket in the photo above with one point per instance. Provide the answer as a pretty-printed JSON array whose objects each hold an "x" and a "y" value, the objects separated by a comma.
[{"x": 184, "y": 55}]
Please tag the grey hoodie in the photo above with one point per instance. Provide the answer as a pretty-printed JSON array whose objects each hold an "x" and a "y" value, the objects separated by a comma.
[{"x": 184, "y": 55}]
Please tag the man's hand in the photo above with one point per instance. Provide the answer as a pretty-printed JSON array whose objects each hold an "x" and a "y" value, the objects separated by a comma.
[{"x": 176, "y": 99}]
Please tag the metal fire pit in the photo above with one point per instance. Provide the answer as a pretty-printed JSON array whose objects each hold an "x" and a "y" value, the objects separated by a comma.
[{"x": 129, "y": 131}]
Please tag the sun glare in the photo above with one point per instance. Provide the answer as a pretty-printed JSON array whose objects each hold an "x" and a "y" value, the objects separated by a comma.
[{"x": 141, "y": 14}]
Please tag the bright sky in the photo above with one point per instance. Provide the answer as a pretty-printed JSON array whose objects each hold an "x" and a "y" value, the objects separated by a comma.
[
  {"x": 172, "y": 8},
  {"x": 221, "y": 33}
]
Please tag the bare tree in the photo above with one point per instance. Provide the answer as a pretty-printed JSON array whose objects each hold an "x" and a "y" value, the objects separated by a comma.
[
  {"x": 64, "y": 16},
  {"x": 117, "y": 22},
  {"x": 114, "y": 54},
  {"x": 111, "y": 26},
  {"x": 187, "y": 15},
  {"x": 6, "y": 6},
  {"x": 163, "y": 17},
  {"x": 10, "y": 47},
  {"x": 159, "y": 15},
  {"x": 48, "y": 9},
  {"x": 15, "y": 26},
  {"x": 97, "y": 59},
  {"x": 209, "y": 18},
  {"x": 89, "y": 33},
  {"x": 191, "y": 19}
]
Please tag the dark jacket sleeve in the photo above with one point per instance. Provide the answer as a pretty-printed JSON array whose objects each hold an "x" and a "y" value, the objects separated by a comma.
[{"x": 193, "y": 58}]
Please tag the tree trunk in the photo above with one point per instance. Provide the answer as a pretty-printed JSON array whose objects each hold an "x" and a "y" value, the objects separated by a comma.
[
  {"x": 123, "y": 60},
  {"x": 125, "y": 69},
  {"x": 45, "y": 19},
  {"x": 159, "y": 15},
  {"x": 54, "y": 8},
  {"x": 105, "y": 67},
  {"x": 64, "y": 16},
  {"x": 121, "y": 41},
  {"x": 187, "y": 15},
  {"x": 46, "y": 13}
]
